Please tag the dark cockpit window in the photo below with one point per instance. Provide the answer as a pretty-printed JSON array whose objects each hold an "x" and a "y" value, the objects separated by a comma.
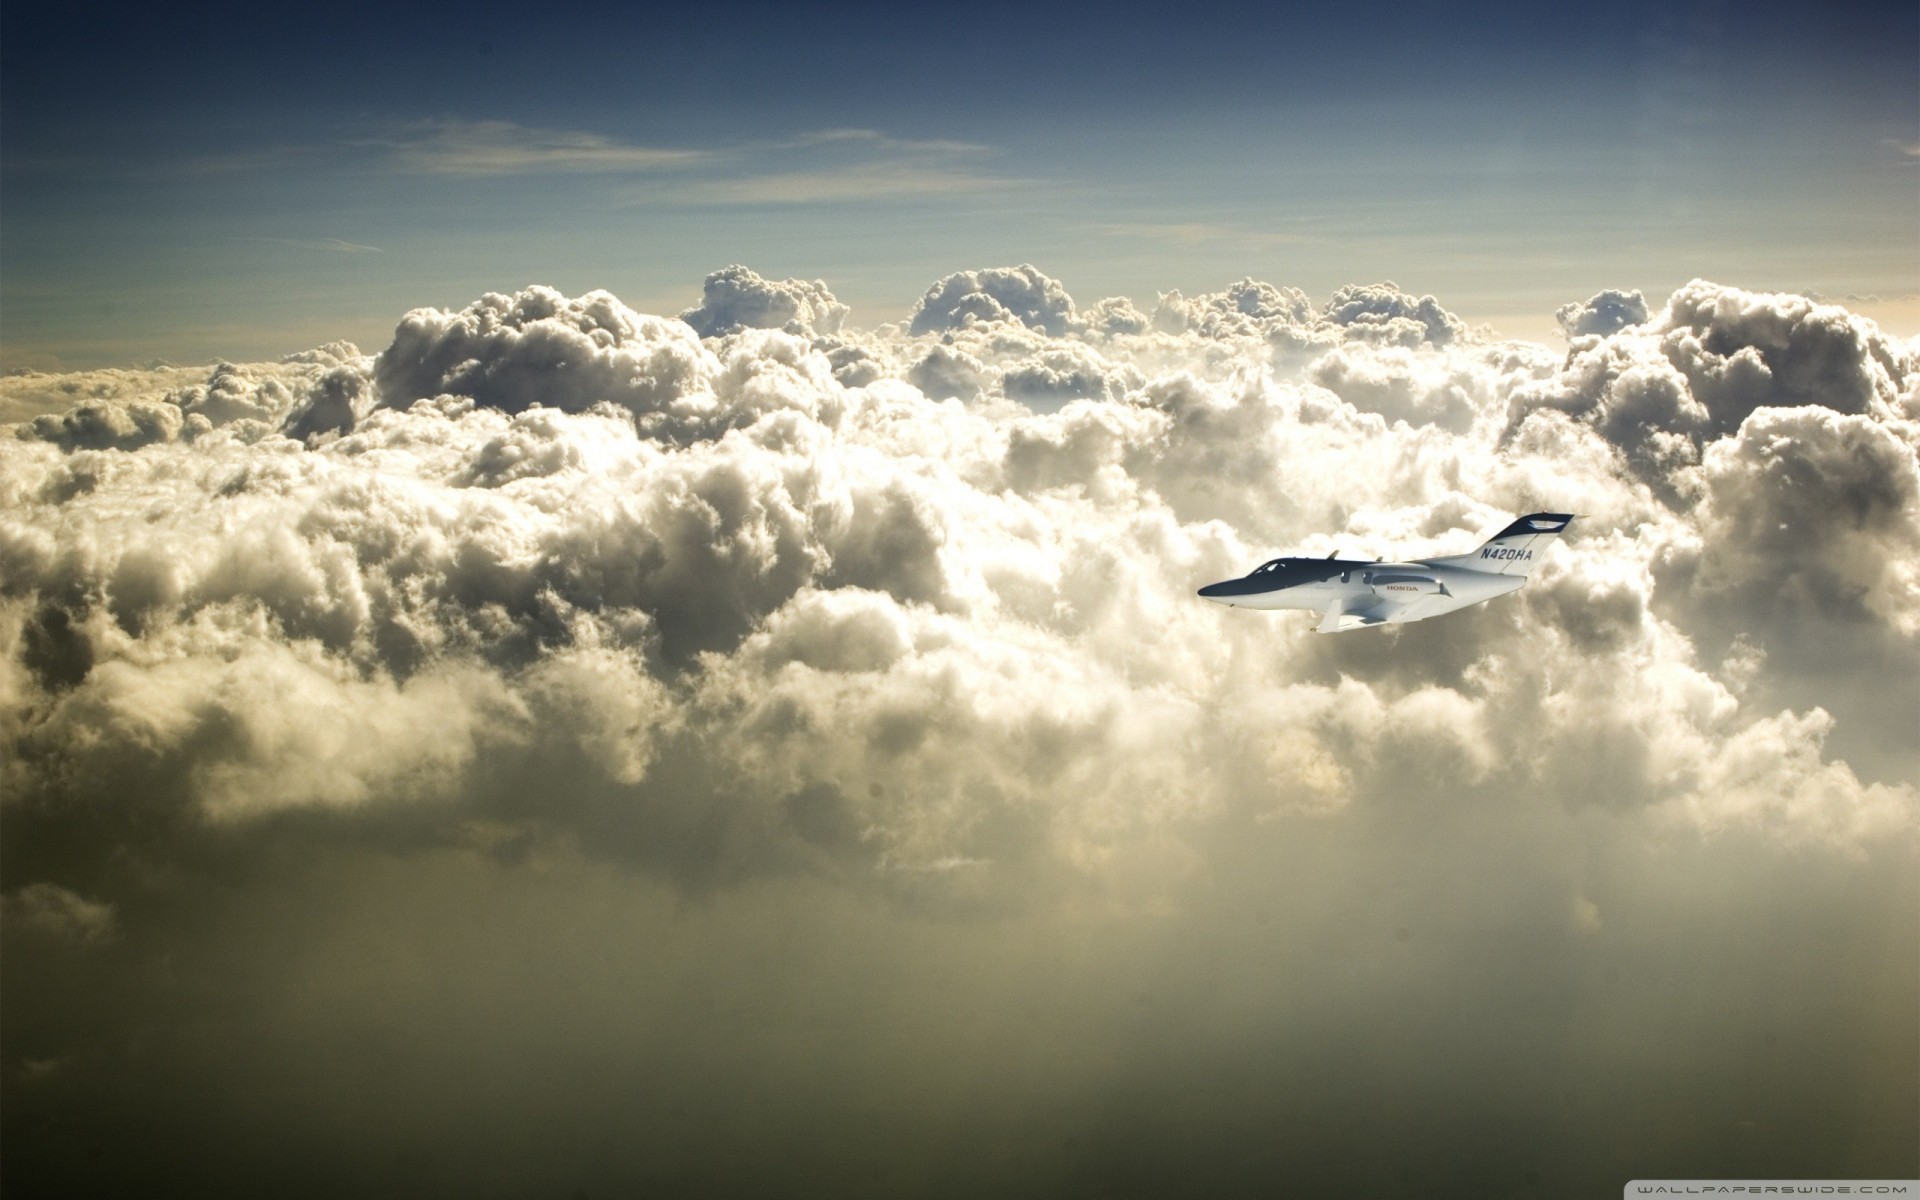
[{"x": 1286, "y": 572}]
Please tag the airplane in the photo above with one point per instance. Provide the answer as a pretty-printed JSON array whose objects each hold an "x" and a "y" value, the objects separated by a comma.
[{"x": 1359, "y": 595}]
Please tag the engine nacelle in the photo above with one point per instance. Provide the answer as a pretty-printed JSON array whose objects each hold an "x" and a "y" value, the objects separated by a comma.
[{"x": 1406, "y": 587}]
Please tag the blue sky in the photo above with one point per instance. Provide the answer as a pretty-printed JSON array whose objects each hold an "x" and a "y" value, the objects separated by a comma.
[{"x": 221, "y": 183}]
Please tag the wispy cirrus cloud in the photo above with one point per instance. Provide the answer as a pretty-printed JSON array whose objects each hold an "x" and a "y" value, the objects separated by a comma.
[
  {"x": 445, "y": 146},
  {"x": 819, "y": 166},
  {"x": 813, "y": 167},
  {"x": 1197, "y": 233},
  {"x": 875, "y": 139},
  {"x": 860, "y": 181},
  {"x": 331, "y": 245},
  {"x": 833, "y": 166}
]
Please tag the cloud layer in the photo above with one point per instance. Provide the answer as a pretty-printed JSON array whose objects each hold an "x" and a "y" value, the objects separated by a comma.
[
  {"x": 752, "y": 596},
  {"x": 958, "y": 616}
]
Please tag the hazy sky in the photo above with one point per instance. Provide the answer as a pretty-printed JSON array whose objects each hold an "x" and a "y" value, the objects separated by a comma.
[
  {"x": 228, "y": 182},
  {"x": 750, "y": 731}
]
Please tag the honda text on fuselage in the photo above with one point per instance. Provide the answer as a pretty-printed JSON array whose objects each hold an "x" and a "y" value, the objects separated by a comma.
[{"x": 1354, "y": 595}]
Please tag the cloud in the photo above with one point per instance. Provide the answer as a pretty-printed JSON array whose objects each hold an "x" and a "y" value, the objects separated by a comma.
[
  {"x": 826, "y": 166},
  {"x": 833, "y": 165},
  {"x": 1404, "y": 386},
  {"x": 308, "y": 392},
  {"x": 1771, "y": 775},
  {"x": 873, "y": 138},
  {"x": 812, "y": 167},
  {"x": 336, "y": 245},
  {"x": 795, "y": 688},
  {"x": 1059, "y": 374},
  {"x": 110, "y": 426},
  {"x": 1196, "y": 233},
  {"x": 1712, "y": 357},
  {"x": 28, "y": 394},
  {"x": 1813, "y": 515},
  {"x": 448, "y": 146},
  {"x": 51, "y": 911},
  {"x": 1603, "y": 314},
  {"x": 1116, "y": 315},
  {"x": 539, "y": 347},
  {"x": 862, "y": 181},
  {"x": 1248, "y": 306},
  {"x": 423, "y": 535},
  {"x": 1382, "y": 312},
  {"x": 735, "y": 298},
  {"x": 1018, "y": 294}
]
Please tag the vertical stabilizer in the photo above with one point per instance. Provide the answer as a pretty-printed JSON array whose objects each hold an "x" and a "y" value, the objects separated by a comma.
[{"x": 1515, "y": 549}]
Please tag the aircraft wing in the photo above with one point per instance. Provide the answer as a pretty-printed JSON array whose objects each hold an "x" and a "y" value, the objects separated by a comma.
[
  {"x": 1356, "y": 613},
  {"x": 1359, "y": 612}
]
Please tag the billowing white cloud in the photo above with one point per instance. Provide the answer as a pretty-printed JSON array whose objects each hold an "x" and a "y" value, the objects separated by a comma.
[
  {"x": 1712, "y": 356},
  {"x": 1248, "y": 306},
  {"x": 310, "y": 392},
  {"x": 541, "y": 348},
  {"x": 1014, "y": 294},
  {"x": 28, "y": 394},
  {"x": 735, "y": 298},
  {"x": 1116, "y": 315},
  {"x": 917, "y": 607},
  {"x": 1603, "y": 314},
  {"x": 1383, "y": 313}
]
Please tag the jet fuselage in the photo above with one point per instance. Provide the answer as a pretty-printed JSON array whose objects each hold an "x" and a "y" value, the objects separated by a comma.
[
  {"x": 1354, "y": 595},
  {"x": 1421, "y": 589}
]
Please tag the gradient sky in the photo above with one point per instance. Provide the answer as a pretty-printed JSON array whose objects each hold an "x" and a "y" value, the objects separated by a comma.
[{"x": 227, "y": 183}]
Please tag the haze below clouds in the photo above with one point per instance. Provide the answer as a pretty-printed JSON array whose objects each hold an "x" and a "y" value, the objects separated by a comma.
[{"x": 575, "y": 749}]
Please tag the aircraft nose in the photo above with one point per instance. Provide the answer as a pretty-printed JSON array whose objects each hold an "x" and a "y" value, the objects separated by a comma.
[{"x": 1216, "y": 592}]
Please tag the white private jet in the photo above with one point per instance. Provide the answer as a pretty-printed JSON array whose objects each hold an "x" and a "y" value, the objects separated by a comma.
[{"x": 1354, "y": 595}]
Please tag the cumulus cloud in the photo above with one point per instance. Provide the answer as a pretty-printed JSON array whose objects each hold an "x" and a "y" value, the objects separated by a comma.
[
  {"x": 804, "y": 613},
  {"x": 1693, "y": 373},
  {"x": 110, "y": 426},
  {"x": 735, "y": 298},
  {"x": 1605, "y": 313},
  {"x": 313, "y": 391},
  {"x": 539, "y": 347},
  {"x": 25, "y": 395},
  {"x": 1382, "y": 312},
  {"x": 1016, "y": 294},
  {"x": 1246, "y": 306},
  {"x": 425, "y": 536}
]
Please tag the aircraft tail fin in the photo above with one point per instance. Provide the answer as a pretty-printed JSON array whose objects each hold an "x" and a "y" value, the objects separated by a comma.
[{"x": 1515, "y": 549}]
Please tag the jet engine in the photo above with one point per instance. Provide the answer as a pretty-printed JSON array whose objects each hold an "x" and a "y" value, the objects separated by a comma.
[{"x": 1405, "y": 587}]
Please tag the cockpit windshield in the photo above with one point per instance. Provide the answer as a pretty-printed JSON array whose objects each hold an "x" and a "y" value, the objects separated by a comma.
[{"x": 1286, "y": 572}]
